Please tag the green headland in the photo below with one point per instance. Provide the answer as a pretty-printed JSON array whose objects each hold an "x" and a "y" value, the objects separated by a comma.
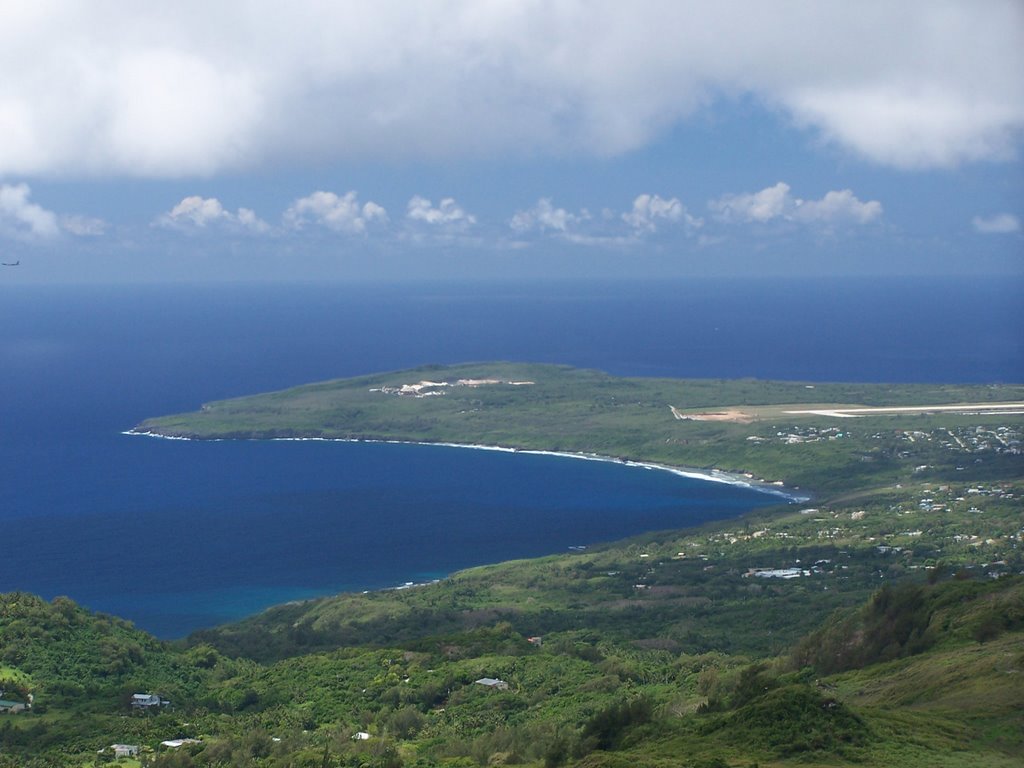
[
  {"x": 880, "y": 623},
  {"x": 826, "y": 437}
]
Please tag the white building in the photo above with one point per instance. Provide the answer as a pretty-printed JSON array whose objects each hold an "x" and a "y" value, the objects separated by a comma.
[{"x": 492, "y": 682}]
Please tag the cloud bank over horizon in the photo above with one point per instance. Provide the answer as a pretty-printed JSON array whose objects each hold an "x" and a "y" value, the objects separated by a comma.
[
  {"x": 327, "y": 214},
  {"x": 776, "y": 202},
  {"x": 196, "y": 212},
  {"x": 148, "y": 93}
]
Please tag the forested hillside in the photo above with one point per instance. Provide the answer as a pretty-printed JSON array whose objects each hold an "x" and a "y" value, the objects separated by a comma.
[
  {"x": 880, "y": 623},
  {"x": 921, "y": 672}
]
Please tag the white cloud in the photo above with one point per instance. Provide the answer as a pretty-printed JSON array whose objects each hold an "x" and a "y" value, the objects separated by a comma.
[
  {"x": 837, "y": 207},
  {"x": 83, "y": 226},
  {"x": 998, "y": 224},
  {"x": 610, "y": 229},
  {"x": 769, "y": 203},
  {"x": 447, "y": 214},
  {"x": 341, "y": 214},
  {"x": 23, "y": 219},
  {"x": 776, "y": 202},
  {"x": 649, "y": 210},
  {"x": 545, "y": 217},
  {"x": 196, "y": 212},
  {"x": 912, "y": 127},
  {"x": 648, "y": 213},
  {"x": 143, "y": 90},
  {"x": 249, "y": 220}
]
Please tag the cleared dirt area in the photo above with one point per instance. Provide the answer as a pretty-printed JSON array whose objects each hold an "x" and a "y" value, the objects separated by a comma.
[{"x": 732, "y": 414}]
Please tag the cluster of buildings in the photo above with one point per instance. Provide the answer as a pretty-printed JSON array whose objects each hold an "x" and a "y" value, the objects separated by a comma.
[
  {"x": 133, "y": 750},
  {"x": 795, "y": 435},
  {"x": 981, "y": 439},
  {"x": 435, "y": 388},
  {"x": 146, "y": 702}
]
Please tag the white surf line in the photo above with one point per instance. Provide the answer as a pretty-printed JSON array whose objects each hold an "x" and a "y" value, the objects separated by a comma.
[
  {"x": 972, "y": 409},
  {"x": 141, "y": 433},
  {"x": 711, "y": 475}
]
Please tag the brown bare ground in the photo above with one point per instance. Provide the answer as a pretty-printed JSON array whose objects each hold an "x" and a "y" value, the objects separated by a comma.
[{"x": 732, "y": 414}]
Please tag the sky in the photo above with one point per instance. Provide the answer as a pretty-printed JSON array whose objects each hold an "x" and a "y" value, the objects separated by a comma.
[{"x": 509, "y": 139}]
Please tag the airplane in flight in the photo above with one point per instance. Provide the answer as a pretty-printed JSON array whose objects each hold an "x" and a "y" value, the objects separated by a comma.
[{"x": 10, "y": 263}]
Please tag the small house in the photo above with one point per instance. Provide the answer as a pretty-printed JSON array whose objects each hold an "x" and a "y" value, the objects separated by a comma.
[
  {"x": 492, "y": 682},
  {"x": 13, "y": 707},
  {"x": 147, "y": 701},
  {"x": 125, "y": 750},
  {"x": 176, "y": 743}
]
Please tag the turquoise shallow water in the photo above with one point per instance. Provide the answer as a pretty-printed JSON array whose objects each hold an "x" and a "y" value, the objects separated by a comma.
[{"x": 178, "y": 535}]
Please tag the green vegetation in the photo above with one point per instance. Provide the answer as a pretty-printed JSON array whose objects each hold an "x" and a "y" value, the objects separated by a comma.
[
  {"x": 568, "y": 409},
  {"x": 881, "y": 624},
  {"x": 579, "y": 698}
]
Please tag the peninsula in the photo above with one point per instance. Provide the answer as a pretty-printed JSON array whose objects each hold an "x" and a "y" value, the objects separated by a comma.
[{"x": 828, "y": 438}]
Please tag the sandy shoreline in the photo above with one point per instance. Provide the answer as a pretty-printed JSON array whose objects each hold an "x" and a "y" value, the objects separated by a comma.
[{"x": 713, "y": 475}]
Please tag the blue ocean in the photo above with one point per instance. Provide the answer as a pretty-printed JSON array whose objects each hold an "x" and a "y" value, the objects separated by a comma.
[{"x": 180, "y": 535}]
